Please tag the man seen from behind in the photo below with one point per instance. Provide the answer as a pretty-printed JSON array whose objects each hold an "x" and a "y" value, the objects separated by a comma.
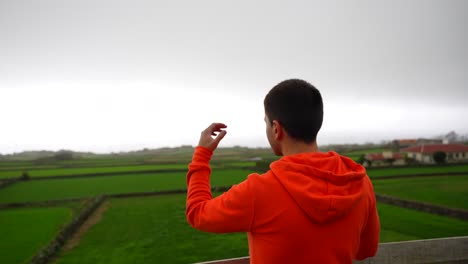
[{"x": 310, "y": 207}]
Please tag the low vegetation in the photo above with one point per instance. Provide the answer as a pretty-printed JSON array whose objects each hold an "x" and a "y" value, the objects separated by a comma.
[
  {"x": 90, "y": 170},
  {"x": 42, "y": 190},
  {"x": 154, "y": 229},
  {"x": 399, "y": 224},
  {"x": 169, "y": 239},
  {"x": 24, "y": 231},
  {"x": 377, "y": 172},
  {"x": 151, "y": 230},
  {"x": 451, "y": 191}
]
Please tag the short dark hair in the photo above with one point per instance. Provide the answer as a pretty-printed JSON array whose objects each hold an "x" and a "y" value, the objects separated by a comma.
[{"x": 297, "y": 105}]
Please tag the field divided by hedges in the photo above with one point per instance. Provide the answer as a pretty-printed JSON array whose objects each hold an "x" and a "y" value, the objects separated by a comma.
[
  {"x": 151, "y": 230},
  {"x": 90, "y": 170},
  {"x": 85, "y": 187},
  {"x": 143, "y": 229},
  {"x": 132, "y": 230},
  {"x": 451, "y": 191},
  {"x": 48, "y": 171},
  {"x": 394, "y": 171}
]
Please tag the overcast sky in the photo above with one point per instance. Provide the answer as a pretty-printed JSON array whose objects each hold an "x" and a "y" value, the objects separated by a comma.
[{"x": 113, "y": 75}]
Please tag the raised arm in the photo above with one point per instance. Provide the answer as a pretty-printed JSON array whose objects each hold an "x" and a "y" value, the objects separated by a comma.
[{"x": 230, "y": 212}]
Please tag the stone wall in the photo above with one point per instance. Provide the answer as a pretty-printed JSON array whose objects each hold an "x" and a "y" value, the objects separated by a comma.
[
  {"x": 51, "y": 250},
  {"x": 424, "y": 207}
]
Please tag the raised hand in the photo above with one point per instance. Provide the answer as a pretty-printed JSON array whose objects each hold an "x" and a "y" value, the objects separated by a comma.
[{"x": 212, "y": 135}]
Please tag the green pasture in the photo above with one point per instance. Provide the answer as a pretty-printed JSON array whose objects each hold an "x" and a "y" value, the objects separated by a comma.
[
  {"x": 151, "y": 230},
  {"x": 399, "y": 224},
  {"x": 134, "y": 231},
  {"x": 365, "y": 151},
  {"x": 241, "y": 164},
  {"x": 356, "y": 154},
  {"x": 59, "y": 170},
  {"x": 28, "y": 165},
  {"x": 21, "y": 168},
  {"x": 41, "y": 190},
  {"x": 377, "y": 172},
  {"x": 68, "y": 165},
  {"x": 90, "y": 170},
  {"x": 451, "y": 191},
  {"x": 24, "y": 231}
]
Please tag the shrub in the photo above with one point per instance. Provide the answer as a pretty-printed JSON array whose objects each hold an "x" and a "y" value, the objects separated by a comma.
[
  {"x": 262, "y": 165},
  {"x": 24, "y": 175},
  {"x": 440, "y": 157}
]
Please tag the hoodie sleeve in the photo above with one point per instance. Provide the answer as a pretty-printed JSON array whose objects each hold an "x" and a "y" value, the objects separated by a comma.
[
  {"x": 371, "y": 233},
  {"x": 230, "y": 212}
]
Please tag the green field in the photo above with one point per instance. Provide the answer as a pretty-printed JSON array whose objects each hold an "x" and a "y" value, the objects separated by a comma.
[
  {"x": 51, "y": 171},
  {"x": 24, "y": 231},
  {"x": 133, "y": 231},
  {"x": 451, "y": 191},
  {"x": 365, "y": 151},
  {"x": 154, "y": 229},
  {"x": 356, "y": 154},
  {"x": 376, "y": 172},
  {"x": 242, "y": 164},
  {"x": 151, "y": 230},
  {"x": 90, "y": 170},
  {"x": 399, "y": 224},
  {"x": 52, "y": 189}
]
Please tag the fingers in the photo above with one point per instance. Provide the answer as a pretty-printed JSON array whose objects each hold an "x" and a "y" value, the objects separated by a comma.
[
  {"x": 213, "y": 128},
  {"x": 220, "y": 136},
  {"x": 212, "y": 135},
  {"x": 216, "y": 127}
]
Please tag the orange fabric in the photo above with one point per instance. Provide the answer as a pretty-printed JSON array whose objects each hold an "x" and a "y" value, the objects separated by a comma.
[{"x": 308, "y": 208}]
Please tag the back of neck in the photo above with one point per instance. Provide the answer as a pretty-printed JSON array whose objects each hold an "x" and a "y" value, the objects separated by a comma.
[{"x": 293, "y": 147}]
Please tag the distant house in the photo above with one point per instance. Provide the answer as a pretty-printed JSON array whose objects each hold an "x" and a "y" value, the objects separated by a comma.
[
  {"x": 424, "y": 153},
  {"x": 429, "y": 141},
  {"x": 386, "y": 158},
  {"x": 403, "y": 143}
]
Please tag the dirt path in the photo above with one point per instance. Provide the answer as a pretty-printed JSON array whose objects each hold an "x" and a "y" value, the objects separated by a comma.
[{"x": 93, "y": 219}]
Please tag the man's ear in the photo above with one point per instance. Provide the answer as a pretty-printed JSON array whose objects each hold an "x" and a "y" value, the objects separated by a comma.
[{"x": 277, "y": 130}]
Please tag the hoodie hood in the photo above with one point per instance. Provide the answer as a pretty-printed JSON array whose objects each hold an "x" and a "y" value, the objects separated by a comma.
[{"x": 324, "y": 185}]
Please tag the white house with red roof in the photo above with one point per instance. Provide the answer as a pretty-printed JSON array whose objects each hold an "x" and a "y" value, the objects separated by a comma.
[{"x": 425, "y": 153}]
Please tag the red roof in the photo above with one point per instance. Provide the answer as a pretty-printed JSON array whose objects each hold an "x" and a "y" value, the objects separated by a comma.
[
  {"x": 431, "y": 148},
  {"x": 380, "y": 156}
]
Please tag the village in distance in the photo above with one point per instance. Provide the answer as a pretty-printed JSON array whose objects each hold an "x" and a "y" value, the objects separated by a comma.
[{"x": 449, "y": 148}]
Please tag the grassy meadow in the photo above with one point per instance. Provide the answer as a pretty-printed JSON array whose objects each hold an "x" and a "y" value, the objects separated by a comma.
[
  {"x": 399, "y": 224},
  {"x": 395, "y": 171},
  {"x": 52, "y": 189},
  {"x": 154, "y": 229},
  {"x": 151, "y": 230},
  {"x": 24, "y": 231},
  {"x": 90, "y": 170},
  {"x": 150, "y": 237},
  {"x": 451, "y": 191}
]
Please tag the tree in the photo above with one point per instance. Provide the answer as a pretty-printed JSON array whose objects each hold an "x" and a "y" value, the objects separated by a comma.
[
  {"x": 390, "y": 161},
  {"x": 63, "y": 155},
  {"x": 410, "y": 161},
  {"x": 440, "y": 157},
  {"x": 361, "y": 159},
  {"x": 262, "y": 165},
  {"x": 24, "y": 176}
]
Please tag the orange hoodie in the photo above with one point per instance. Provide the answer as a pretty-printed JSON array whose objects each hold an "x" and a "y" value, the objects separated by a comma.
[{"x": 309, "y": 208}]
